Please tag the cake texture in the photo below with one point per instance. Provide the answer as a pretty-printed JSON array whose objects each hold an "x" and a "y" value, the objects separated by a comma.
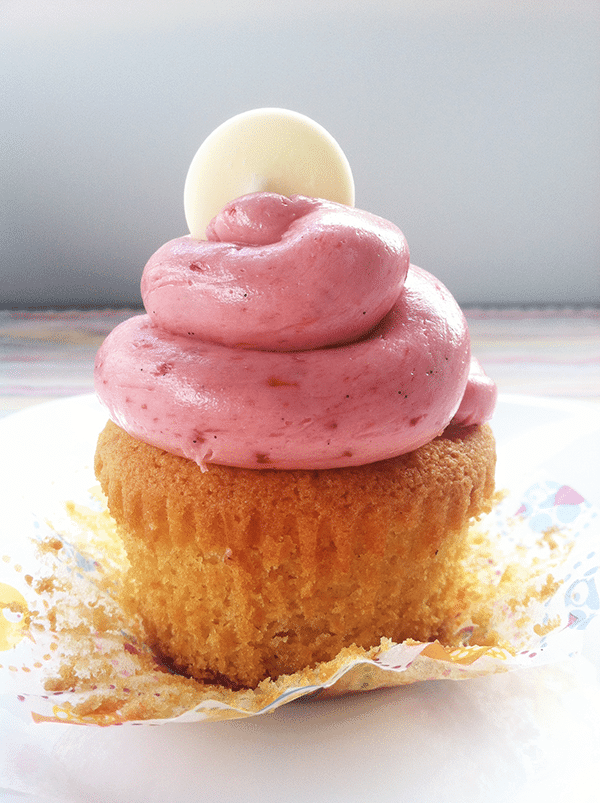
[{"x": 241, "y": 574}]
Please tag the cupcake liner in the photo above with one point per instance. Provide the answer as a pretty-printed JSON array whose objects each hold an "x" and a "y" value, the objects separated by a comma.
[{"x": 68, "y": 652}]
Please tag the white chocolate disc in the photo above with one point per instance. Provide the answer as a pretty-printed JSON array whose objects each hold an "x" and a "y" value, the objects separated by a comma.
[{"x": 270, "y": 150}]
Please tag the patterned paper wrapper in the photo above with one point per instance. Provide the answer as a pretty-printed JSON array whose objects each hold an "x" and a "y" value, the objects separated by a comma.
[{"x": 70, "y": 654}]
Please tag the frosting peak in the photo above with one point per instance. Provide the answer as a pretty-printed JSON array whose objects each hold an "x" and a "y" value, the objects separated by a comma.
[
  {"x": 260, "y": 218},
  {"x": 278, "y": 274}
]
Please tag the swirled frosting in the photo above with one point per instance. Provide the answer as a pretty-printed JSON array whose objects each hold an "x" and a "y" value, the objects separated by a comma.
[{"x": 296, "y": 336}]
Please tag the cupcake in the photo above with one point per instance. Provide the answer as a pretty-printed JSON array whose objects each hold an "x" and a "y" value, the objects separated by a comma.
[{"x": 297, "y": 442}]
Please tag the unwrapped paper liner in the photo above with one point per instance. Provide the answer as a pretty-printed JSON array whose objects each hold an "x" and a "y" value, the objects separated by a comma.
[{"x": 70, "y": 654}]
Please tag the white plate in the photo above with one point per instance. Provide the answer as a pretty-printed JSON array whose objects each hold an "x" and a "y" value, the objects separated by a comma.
[{"x": 525, "y": 736}]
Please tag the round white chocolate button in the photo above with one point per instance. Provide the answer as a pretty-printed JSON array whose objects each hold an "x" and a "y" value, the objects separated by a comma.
[{"x": 270, "y": 150}]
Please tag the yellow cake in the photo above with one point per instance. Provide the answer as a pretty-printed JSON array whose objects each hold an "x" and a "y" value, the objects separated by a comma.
[{"x": 241, "y": 575}]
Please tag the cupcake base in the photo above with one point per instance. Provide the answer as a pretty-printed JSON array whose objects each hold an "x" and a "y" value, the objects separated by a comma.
[{"x": 240, "y": 574}]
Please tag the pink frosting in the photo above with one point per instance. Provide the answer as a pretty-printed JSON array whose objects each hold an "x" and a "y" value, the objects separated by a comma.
[
  {"x": 479, "y": 399},
  {"x": 277, "y": 273},
  {"x": 296, "y": 336}
]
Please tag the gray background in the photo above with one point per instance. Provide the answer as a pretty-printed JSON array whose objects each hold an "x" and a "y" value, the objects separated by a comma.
[{"x": 473, "y": 125}]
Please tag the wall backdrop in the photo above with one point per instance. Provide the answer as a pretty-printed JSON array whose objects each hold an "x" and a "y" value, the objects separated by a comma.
[{"x": 473, "y": 125}]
